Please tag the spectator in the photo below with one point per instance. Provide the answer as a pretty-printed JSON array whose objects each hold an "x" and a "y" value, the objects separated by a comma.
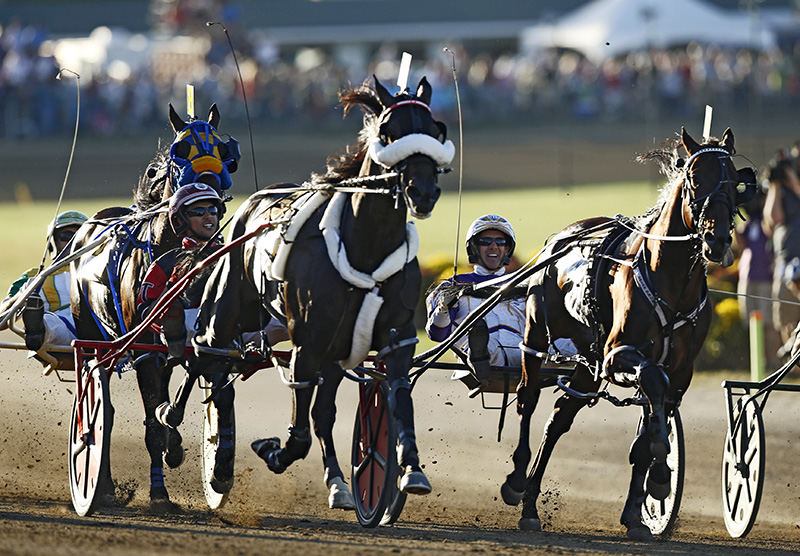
[{"x": 782, "y": 222}]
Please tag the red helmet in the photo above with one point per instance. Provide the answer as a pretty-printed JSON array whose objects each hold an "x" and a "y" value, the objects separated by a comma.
[{"x": 187, "y": 195}]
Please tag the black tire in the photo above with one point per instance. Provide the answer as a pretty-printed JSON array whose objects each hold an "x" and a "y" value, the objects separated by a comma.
[
  {"x": 661, "y": 516},
  {"x": 214, "y": 499},
  {"x": 374, "y": 470},
  {"x": 395, "y": 507},
  {"x": 88, "y": 449},
  {"x": 743, "y": 477}
]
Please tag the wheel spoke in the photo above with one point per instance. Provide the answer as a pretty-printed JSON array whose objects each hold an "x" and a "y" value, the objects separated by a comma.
[
  {"x": 379, "y": 459},
  {"x": 362, "y": 466}
]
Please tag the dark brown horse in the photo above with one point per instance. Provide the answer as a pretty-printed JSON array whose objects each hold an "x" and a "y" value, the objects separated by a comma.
[
  {"x": 362, "y": 263},
  {"x": 632, "y": 297},
  {"x": 105, "y": 283}
]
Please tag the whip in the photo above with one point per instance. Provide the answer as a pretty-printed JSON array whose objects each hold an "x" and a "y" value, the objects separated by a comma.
[
  {"x": 71, "y": 152},
  {"x": 244, "y": 96},
  {"x": 460, "y": 155}
]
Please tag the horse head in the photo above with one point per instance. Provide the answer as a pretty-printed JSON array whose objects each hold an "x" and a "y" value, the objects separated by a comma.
[
  {"x": 198, "y": 153},
  {"x": 408, "y": 140},
  {"x": 713, "y": 189}
]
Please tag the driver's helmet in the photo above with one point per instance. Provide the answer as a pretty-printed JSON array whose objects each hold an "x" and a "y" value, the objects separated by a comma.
[
  {"x": 187, "y": 195},
  {"x": 489, "y": 222},
  {"x": 67, "y": 218}
]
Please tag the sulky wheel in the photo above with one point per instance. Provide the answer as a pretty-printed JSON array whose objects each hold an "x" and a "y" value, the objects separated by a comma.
[
  {"x": 375, "y": 472},
  {"x": 211, "y": 439},
  {"x": 660, "y": 515},
  {"x": 89, "y": 435},
  {"x": 743, "y": 471}
]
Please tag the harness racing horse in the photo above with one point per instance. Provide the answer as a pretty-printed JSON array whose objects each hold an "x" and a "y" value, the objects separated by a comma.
[
  {"x": 105, "y": 283},
  {"x": 632, "y": 297},
  {"x": 343, "y": 274}
]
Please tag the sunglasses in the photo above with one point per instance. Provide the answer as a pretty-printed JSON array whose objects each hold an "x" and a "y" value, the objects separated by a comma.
[
  {"x": 66, "y": 235},
  {"x": 487, "y": 241},
  {"x": 200, "y": 211}
]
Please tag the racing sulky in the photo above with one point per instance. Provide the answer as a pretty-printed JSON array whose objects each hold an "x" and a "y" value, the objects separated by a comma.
[{"x": 105, "y": 283}]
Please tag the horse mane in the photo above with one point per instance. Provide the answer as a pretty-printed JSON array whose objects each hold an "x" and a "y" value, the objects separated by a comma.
[
  {"x": 347, "y": 164},
  {"x": 150, "y": 189},
  {"x": 671, "y": 164}
]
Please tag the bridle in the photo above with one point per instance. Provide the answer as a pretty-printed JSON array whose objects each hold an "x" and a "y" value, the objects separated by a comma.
[{"x": 719, "y": 191}]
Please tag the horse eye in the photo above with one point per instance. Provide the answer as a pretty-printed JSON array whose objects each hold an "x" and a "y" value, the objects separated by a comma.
[{"x": 182, "y": 149}]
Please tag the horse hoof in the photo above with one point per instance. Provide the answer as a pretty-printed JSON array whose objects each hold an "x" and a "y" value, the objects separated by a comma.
[
  {"x": 415, "y": 482},
  {"x": 340, "y": 497},
  {"x": 222, "y": 478},
  {"x": 167, "y": 416},
  {"x": 221, "y": 486},
  {"x": 639, "y": 533},
  {"x": 530, "y": 524},
  {"x": 268, "y": 450},
  {"x": 658, "y": 481},
  {"x": 510, "y": 496},
  {"x": 162, "y": 506},
  {"x": 106, "y": 499},
  {"x": 160, "y": 502},
  {"x": 175, "y": 453}
]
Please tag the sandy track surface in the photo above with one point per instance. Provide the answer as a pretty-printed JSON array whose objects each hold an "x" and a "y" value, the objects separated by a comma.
[{"x": 584, "y": 488}]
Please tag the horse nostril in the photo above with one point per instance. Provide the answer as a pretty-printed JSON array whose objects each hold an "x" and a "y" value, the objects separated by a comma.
[
  {"x": 709, "y": 238},
  {"x": 412, "y": 191}
]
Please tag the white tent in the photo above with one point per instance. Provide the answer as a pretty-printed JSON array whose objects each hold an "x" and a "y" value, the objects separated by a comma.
[{"x": 607, "y": 28}]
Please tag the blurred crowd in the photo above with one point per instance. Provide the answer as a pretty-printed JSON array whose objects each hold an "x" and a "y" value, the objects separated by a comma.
[
  {"x": 301, "y": 85},
  {"x": 768, "y": 242}
]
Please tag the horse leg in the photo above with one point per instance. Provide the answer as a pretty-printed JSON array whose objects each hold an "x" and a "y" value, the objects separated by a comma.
[
  {"x": 640, "y": 458},
  {"x": 299, "y": 442},
  {"x": 634, "y": 369},
  {"x": 222, "y": 477},
  {"x": 528, "y": 391},
  {"x": 171, "y": 414},
  {"x": 654, "y": 384},
  {"x": 323, "y": 416},
  {"x": 151, "y": 386},
  {"x": 106, "y": 491},
  {"x": 401, "y": 407},
  {"x": 560, "y": 421}
]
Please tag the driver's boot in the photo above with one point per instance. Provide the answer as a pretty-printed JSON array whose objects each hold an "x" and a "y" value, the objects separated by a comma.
[
  {"x": 478, "y": 341},
  {"x": 174, "y": 331},
  {"x": 33, "y": 320}
]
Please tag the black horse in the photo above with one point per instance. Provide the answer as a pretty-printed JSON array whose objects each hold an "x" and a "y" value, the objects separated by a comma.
[
  {"x": 632, "y": 297},
  {"x": 105, "y": 283},
  {"x": 345, "y": 281}
]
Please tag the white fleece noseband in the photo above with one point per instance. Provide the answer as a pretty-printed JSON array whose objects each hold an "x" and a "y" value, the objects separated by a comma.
[{"x": 414, "y": 143}]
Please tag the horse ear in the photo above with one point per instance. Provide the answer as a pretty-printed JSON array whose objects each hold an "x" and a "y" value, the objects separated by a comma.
[
  {"x": 727, "y": 140},
  {"x": 384, "y": 95},
  {"x": 177, "y": 124},
  {"x": 213, "y": 116},
  {"x": 688, "y": 143},
  {"x": 424, "y": 91}
]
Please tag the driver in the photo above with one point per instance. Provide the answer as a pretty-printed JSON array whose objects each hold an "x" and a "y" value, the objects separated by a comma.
[
  {"x": 194, "y": 213},
  {"x": 47, "y": 317},
  {"x": 493, "y": 340}
]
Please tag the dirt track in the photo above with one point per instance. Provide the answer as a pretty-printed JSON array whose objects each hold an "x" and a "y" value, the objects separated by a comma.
[{"x": 585, "y": 485}]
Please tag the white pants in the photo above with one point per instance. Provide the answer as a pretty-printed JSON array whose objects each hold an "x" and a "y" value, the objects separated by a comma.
[{"x": 56, "y": 331}]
